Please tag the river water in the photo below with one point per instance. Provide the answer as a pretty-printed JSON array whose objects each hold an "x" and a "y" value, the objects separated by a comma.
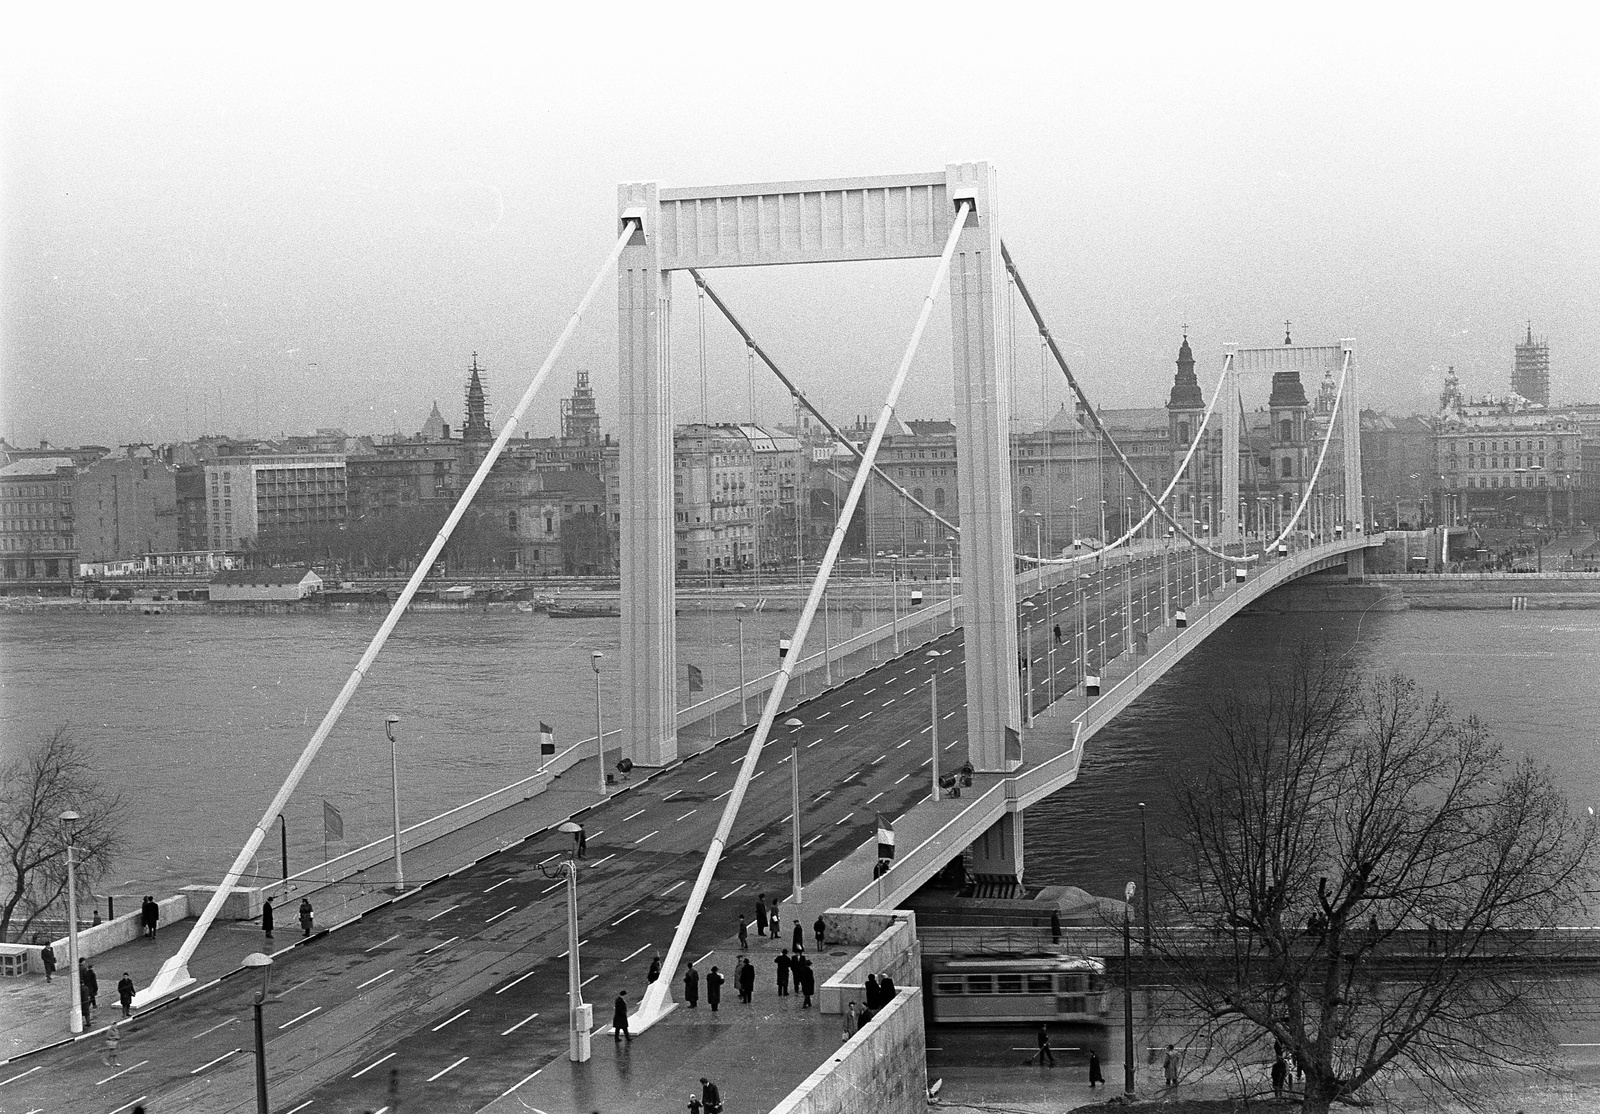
[{"x": 197, "y": 718}]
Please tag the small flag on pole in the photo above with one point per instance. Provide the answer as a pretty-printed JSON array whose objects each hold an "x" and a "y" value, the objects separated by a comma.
[
  {"x": 547, "y": 739},
  {"x": 1013, "y": 745},
  {"x": 697, "y": 680},
  {"x": 885, "y": 837},
  {"x": 332, "y": 822}
]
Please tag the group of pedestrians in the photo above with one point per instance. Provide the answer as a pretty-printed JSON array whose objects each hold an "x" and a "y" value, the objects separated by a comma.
[
  {"x": 269, "y": 917},
  {"x": 149, "y": 916}
]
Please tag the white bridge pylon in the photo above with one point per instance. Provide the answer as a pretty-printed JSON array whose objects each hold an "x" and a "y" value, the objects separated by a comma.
[{"x": 819, "y": 221}]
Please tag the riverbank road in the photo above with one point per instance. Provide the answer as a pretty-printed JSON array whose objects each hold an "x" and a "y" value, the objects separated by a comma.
[{"x": 455, "y": 994}]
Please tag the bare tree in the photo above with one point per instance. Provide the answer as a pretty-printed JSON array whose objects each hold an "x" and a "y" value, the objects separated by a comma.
[
  {"x": 1371, "y": 883},
  {"x": 53, "y": 775}
]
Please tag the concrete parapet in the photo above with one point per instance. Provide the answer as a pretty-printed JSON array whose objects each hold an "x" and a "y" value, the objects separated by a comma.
[
  {"x": 894, "y": 952},
  {"x": 884, "y": 1067},
  {"x": 108, "y": 934}
]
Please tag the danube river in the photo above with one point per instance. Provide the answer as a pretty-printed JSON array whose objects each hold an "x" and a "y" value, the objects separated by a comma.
[{"x": 197, "y": 718}]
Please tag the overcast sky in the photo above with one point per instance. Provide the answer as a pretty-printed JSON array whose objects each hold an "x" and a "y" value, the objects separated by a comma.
[{"x": 264, "y": 225}]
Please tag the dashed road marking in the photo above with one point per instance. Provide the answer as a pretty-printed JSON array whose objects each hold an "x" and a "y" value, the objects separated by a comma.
[
  {"x": 674, "y": 886},
  {"x": 302, "y": 1017},
  {"x": 126, "y": 1105},
  {"x": 874, "y": 797},
  {"x": 901, "y": 778},
  {"x": 525, "y": 1078},
  {"x": 208, "y": 1064},
  {"x": 442, "y": 944},
  {"x": 721, "y": 795},
  {"x": 302, "y": 1106},
  {"x": 735, "y": 890},
  {"x": 381, "y": 1059},
  {"x": 513, "y": 1029},
  {"x": 197, "y": 1036},
  {"x": 124, "y": 1071},
  {"x": 506, "y": 987},
  {"x": 607, "y": 859},
  {"x": 633, "y": 953},
  {"x": 500, "y": 914},
  {"x": 448, "y": 1020},
  {"x": 642, "y": 838},
  {"x": 375, "y": 978},
  {"x": 686, "y": 815},
  {"x": 447, "y": 1070},
  {"x": 631, "y": 815},
  {"x": 622, "y": 918},
  {"x": 708, "y": 777},
  {"x": 810, "y": 841},
  {"x": 40, "y": 1067},
  {"x": 551, "y": 889},
  {"x": 381, "y": 943},
  {"x": 506, "y": 881},
  {"x": 442, "y": 912}
]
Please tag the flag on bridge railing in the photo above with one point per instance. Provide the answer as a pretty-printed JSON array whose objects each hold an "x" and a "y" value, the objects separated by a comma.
[
  {"x": 332, "y": 822},
  {"x": 697, "y": 680},
  {"x": 885, "y": 837},
  {"x": 547, "y": 739}
]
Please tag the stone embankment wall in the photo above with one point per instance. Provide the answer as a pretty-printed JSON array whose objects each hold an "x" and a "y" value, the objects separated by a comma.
[
  {"x": 883, "y": 1068},
  {"x": 109, "y": 934},
  {"x": 1435, "y": 592},
  {"x": 894, "y": 951}
]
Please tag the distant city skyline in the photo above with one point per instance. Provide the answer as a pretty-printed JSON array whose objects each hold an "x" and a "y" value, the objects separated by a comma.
[{"x": 244, "y": 228}]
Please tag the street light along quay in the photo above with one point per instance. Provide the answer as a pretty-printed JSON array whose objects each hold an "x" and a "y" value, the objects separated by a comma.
[
  {"x": 1127, "y": 990},
  {"x": 263, "y": 961},
  {"x": 933, "y": 696},
  {"x": 580, "y": 1017},
  {"x": 794, "y": 726},
  {"x": 599, "y": 727},
  {"x": 744, "y": 708},
  {"x": 69, "y": 820},
  {"x": 394, "y": 781}
]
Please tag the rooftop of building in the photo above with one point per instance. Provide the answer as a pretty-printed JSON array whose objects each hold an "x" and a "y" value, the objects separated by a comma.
[
  {"x": 36, "y": 466},
  {"x": 290, "y": 575}
]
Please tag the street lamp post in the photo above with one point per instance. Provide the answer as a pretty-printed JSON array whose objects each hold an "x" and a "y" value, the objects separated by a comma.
[
  {"x": 1127, "y": 991},
  {"x": 599, "y": 727},
  {"x": 69, "y": 820},
  {"x": 794, "y": 726},
  {"x": 933, "y": 718},
  {"x": 394, "y": 781},
  {"x": 580, "y": 1017},
  {"x": 263, "y": 961},
  {"x": 1144, "y": 856},
  {"x": 744, "y": 709}
]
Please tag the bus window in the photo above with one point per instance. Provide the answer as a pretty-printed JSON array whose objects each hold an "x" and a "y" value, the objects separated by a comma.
[
  {"x": 1071, "y": 984},
  {"x": 1008, "y": 984},
  {"x": 1039, "y": 984},
  {"x": 980, "y": 984},
  {"x": 948, "y": 984}
]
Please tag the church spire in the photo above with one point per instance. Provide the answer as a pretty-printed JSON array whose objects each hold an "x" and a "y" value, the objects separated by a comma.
[
  {"x": 1185, "y": 387},
  {"x": 476, "y": 427}
]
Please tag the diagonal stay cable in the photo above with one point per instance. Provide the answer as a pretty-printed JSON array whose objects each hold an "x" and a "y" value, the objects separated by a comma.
[
  {"x": 174, "y": 972},
  {"x": 656, "y": 1001},
  {"x": 806, "y": 402}
]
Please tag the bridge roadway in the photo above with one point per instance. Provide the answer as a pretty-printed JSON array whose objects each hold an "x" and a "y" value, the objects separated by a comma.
[{"x": 456, "y": 994}]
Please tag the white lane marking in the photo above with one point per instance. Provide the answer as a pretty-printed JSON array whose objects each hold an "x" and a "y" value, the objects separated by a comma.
[
  {"x": 302, "y": 1017},
  {"x": 736, "y": 761},
  {"x": 897, "y": 746},
  {"x": 707, "y": 956},
  {"x": 760, "y": 773},
  {"x": 302, "y": 1106},
  {"x": 396, "y": 936},
  {"x": 842, "y": 819},
  {"x": 836, "y": 730},
  {"x": 40, "y": 1067},
  {"x": 878, "y": 759},
  {"x": 631, "y": 815},
  {"x": 948, "y": 669},
  {"x": 671, "y": 795},
  {"x": 587, "y": 981},
  {"x": 775, "y": 865},
  {"x": 708, "y": 777},
  {"x": 372, "y": 1065},
  {"x": 642, "y": 838},
  {"x": 513, "y": 1029},
  {"x": 500, "y": 914},
  {"x": 525, "y": 1078},
  {"x": 870, "y": 691},
  {"x": 735, "y": 890},
  {"x": 442, "y": 912},
  {"x": 947, "y": 715},
  {"x": 721, "y": 795},
  {"x": 209, "y": 1063},
  {"x": 448, "y": 1020},
  {"x": 633, "y": 953},
  {"x": 754, "y": 839},
  {"x": 926, "y": 761},
  {"x": 375, "y": 978},
  {"x": 551, "y": 889},
  {"x": 824, "y": 715},
  {"x": 926, "y": 729},
  {"x": 124, "y": 1106},
  {"x": 447, "y": 1070},
  {"x": 505, "y": 881},
  {"x": 622, "y": 918},
  {"x": 951, "y": 743},
  {"x": 874, "y": 797},
  {"x": 864, "y": 715},
  {"x": 888, "y": 702},
  {"x": 847, "y": 703},
  {"x": 686, "y": 815},
  {"x": 544, "y": 860},
  {"x": 674, "y": 886},
  {"x": 597, "y": 862},
  {"x": 512, "y": 983},
  {"x": 443, "y": 944},
  {"x": 295, "y": 987},
  {"x": 124, "y": 1071},
  {"x": 901, "y": 778},
  {"x": 197, "y": 1036},
  {"x": 810, "y": 841},
  {"x": 825, "y": 792}
]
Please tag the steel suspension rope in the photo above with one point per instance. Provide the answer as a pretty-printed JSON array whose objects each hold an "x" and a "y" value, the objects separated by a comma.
[
  {"x": 174, "y": 972},
  {"x": 654, "y": 1003}
]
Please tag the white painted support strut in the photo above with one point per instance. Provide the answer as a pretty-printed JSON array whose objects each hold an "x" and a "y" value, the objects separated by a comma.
[
  {"x": 174, "y": 973},
  {"x": 657, "y": 1002}
]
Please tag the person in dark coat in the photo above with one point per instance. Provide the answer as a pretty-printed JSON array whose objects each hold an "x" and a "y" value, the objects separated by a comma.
[
  {"x": 807, "y": 982},
  {"x": 761, "y": 915},
  {"x": 1280, "y": 1074},
  {"x": 85, "y": 1001},
  {"x": 125, "y": 994},
  {"x": 1044, "y": 1052},
  {"x": 1055, "y": 926},
  {"x": 48, "y": 958},
  {"x": 873, "y": 1001},
  {"x": 655, "y": 969},
  {"x": 799, "y": 940},
  {"x": 305, "y": 916},
  {"x": 1094, "y": 1070},
  {"x": 782, "y": 963},
  {"x": 821, "y": 932},
  {"x": 744, "y": 934},
  {"x": 714, "y": 988},
  {"x": 747, "y": 982},
  {"x": 691, "y": 986},
  {"x": 619, "y": 1017},
  {"x": 775, "y": 924},
  {"x": 155, "y": 915},
  {"x": 266, "y": 918},
  {"x": 710, "y": 1097},
  {"x": 886, "y": 990},
  {"x": 92, "y": 981}
]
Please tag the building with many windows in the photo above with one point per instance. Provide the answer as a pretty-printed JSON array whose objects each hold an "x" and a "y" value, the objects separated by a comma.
[
  {"x": 248, "y": 496},
  {"x": 38, "y": 530},
  {"x": 1506, "y": 461},
  {"x": 126, "y": 505}
]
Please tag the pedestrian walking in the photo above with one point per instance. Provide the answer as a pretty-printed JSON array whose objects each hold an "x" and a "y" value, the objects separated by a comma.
[
  {"x": 820, "y": 930},
  {"x": 691, "y": 986},
  {"x": 761, "y": 916},
  {"x": 807, "y": 982},
  {"x": 152, "y": 916},
  {"x": 799, "y": 941},
  {"x": 710, "y": 1097},
  {"x": 873, "y": 998},
  {"x": 1169, "y": 1066},
  {"x": 266, "y": 918},
  {"x": 849, "y": 1021},
  {"x": 48, "y": 957},
  {"x": 125, "y": 994},
  {"x": 581, "y": 838},
  {"x": 305, "y": 916},
  {"x": 747, "y": 982},
  {"x": 1094, "y": 1070},
  {"x": 92, "y": 982},
  {"x": 776, "y": 922},
  {"x": 85, "y": 1003},
  {"x": 1057, "y": 630},
  {"x": 695, "y": 1105},
  {"x": 1055, "y": 926},
  {"x": 619, "y": 1017},
  {"x": 1044, "y": 1052},
  {"x": 1280, "y": 1074},
  {"x": 108, "y": 1054},
  {"x": 655, "y": 969},
  {"x": 744, "y": 934},
  {"x": 714, "y": 983},
  {"x": 782, "y": 964}
]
